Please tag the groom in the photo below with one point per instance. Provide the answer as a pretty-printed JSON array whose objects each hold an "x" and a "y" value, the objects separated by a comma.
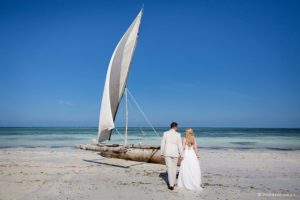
[{"x": 171, "y": 149}]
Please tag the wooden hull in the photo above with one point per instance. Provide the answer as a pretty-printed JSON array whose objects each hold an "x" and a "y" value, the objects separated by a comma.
[{"x": 140, "y": 153}]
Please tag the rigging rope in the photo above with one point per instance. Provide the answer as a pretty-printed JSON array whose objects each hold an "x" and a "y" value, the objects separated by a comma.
[
  {"x": 130, "y": 106},
  {"x": 119, "y": 133},
  {"x": 144, "y": 115}
]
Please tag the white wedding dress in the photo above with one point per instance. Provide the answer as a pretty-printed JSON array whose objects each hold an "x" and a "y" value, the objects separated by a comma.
[{"x": 190, "y": 172}]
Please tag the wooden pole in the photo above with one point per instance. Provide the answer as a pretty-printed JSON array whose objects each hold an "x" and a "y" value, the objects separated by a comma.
[{"x": 126, "y": 122}]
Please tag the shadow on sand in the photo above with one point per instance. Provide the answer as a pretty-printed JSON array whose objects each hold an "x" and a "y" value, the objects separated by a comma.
[
  {"x": 113, "y": 165},
  {"x": 164, "y": 176}
]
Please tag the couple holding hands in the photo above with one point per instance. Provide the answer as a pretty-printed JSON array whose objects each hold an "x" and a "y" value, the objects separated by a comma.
[{"x": 173, "y": 149}]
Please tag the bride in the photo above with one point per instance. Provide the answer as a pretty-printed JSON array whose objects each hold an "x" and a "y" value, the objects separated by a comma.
[{"x": 190, "y": 173}]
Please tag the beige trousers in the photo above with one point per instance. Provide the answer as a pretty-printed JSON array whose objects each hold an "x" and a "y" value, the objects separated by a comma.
[{"x": 171, "y": 163}]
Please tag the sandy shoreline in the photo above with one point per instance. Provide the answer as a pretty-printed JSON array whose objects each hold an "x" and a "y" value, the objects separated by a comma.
[{"x": 64, "y": 173}]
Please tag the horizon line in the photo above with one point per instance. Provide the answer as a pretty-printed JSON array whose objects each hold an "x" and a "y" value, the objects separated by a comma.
[{"x": 228, "y": 127}]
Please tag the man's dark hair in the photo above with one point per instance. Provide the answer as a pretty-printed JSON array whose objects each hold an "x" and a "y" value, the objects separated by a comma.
[{"x": 173, "y": 124}]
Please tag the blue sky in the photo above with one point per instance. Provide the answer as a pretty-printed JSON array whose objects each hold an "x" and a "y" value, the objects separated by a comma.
[{"x": 200, "y": 63}]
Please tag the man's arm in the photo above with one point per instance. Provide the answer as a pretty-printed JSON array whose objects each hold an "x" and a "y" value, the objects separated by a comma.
[
  {"x": 162, "y": 146},
  {"x": 180, "y": 145}
]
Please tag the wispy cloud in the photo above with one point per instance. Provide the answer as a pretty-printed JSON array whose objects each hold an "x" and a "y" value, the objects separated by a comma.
[
  {"x": 239, "y": 95},
  {"x": 66, "y": 103},
  {"x": 181, "y": 87}
]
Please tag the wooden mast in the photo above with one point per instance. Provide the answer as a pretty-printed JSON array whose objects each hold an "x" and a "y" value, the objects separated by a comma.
[{"x": 126, "y": 122}]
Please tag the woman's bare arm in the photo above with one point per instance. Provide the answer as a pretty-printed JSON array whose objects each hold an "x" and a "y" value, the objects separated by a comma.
[
  {"x": 183, "y": 143},
  {"x": 196, "y": 147}
]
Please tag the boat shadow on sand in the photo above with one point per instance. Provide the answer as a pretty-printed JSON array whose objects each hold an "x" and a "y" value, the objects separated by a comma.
[
  {"x": 162, "y": 175},
  {"x": 112, "y": 165}
]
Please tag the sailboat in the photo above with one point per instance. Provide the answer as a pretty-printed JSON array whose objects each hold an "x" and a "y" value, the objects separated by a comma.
[{"x": 114, "y": 90}]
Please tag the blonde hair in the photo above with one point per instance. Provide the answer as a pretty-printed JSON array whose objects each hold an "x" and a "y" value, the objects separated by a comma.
[{"x": 189, "y": 137}]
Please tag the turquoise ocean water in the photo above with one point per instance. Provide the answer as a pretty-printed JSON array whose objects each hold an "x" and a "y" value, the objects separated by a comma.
[{"x": 214, "y": 138}]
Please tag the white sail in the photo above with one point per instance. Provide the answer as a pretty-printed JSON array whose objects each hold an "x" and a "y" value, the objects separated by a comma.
[{"x": 116, "y": 78}]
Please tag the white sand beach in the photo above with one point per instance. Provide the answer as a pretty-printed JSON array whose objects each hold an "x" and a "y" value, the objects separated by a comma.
[{"x": 64, "y": 173}]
